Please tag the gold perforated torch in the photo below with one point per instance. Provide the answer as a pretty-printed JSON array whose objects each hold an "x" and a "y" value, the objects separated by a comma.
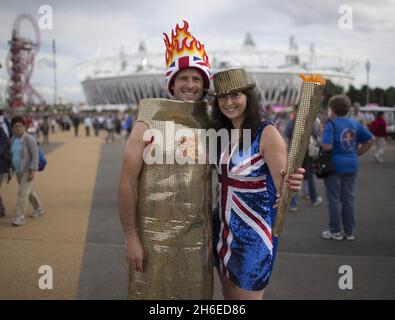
[{"x": 309, "y": 104}]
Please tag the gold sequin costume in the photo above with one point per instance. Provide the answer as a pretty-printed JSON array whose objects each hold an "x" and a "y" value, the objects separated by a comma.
[{"x": 173, "y": 211}]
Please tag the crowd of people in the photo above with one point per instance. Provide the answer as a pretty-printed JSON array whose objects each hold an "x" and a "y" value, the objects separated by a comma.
[
  {"x": 20, "y": 137},
  {"x": 117, "y": 125}
]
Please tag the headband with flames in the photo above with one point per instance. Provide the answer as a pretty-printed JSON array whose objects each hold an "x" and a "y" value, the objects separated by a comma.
[{"x": 185, "y": 51}]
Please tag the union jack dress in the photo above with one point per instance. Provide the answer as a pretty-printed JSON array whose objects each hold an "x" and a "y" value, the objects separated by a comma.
[{"x": 244, "y": 248}]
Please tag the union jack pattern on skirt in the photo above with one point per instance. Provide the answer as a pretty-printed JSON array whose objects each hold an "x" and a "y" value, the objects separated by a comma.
[{"x": 244, "y": 248}]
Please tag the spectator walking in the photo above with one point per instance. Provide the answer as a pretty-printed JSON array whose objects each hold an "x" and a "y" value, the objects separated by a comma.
[
  {"x": 96, "y": 125},
  {"x": 76, "y": 123},
  {"x": 379, "y": 130},
  {"x": 357, "y": 115},
  {"x": 45, "y": 127},
  {"x": 128, "y": 126},
  {"x": 88, "y": 125},
  {"x": 25, "y": 163},
  {"x": 343, "y": 135},
  {"x": 109, "y": 123},
  {"x": 117, "y": 125}
]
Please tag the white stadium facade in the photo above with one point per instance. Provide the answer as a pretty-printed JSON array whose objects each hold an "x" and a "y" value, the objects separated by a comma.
[{"x": 124, "y": 79}]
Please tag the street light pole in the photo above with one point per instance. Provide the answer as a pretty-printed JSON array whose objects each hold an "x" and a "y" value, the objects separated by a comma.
[
  {"x": 54, "y": 72},
  {"x": 367, "y": 81}
]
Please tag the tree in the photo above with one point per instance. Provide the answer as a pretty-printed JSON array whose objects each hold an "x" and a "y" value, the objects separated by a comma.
[
  {"x": 389, "y": 97},
  {"x": 379, "y": 96},
  {"x": 330, "y": 90},
  {"x": 355, "y": 95}
]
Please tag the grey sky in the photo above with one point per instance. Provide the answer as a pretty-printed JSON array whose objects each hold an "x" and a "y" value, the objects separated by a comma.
[{"x": 82, "y": 26}]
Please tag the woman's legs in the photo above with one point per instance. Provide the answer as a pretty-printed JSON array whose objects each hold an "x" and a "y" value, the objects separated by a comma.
[
  {"x": 2, "y": 209},
  {"x": 348, "y": 195},
  {"x": 294, "y": 203},
  {"x": 305, "y": 188},
  {"x": 23, "y": 195},
  {"x": 34, "y": 200},
  {"x": 381, "y": 148},
  {"x": 232, "y": 292},
  {"x": 333, "y": 194},
  {"x": 312, "y": 189}
]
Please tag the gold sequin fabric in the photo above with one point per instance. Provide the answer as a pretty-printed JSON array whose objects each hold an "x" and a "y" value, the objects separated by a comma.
[{"x": 173, "y": 210}]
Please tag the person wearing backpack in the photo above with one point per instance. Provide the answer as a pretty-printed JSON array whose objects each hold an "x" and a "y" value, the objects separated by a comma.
[
  {"x": 347, "y": 139},
  {"x": 25, "y": 161}
]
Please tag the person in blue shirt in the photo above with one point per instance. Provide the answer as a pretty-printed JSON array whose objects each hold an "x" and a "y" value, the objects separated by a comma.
[
  {"x": 128, "y": 125},
  {"x": 348, "y": 140}
]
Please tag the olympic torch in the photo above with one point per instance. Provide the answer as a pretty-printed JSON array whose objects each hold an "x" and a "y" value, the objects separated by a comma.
[{"x": 309, "y": 105}]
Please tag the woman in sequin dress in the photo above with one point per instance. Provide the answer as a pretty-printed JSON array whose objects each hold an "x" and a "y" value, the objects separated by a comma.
[{"x": 249, "y": 174}]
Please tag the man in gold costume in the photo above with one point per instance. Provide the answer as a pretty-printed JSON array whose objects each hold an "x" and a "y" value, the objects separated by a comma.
[{"x": 165, "y": 206}]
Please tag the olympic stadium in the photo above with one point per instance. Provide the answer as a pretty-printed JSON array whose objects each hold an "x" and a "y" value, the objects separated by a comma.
[{"x": 125, "y": 78}]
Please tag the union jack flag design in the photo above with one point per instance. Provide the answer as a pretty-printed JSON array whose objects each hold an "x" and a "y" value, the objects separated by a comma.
[
  {"x": 184, "y": 62},
  {"x": 244, "y": 246}
]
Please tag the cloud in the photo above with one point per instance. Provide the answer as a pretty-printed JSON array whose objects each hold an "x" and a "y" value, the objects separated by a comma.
[
  {"x": 64, "y": 93},
  {"x": 81, "y": 27},
  {"x": 368, "y": 15}
]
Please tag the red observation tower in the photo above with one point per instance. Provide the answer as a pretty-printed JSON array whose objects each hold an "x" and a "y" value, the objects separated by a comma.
[{"x": 20, "y": 66}]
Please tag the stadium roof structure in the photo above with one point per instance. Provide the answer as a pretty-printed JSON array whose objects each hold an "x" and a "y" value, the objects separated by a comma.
[{"x": 125, "y": 78}]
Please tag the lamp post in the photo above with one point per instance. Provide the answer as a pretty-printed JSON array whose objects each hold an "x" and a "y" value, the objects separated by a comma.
[
  {"x": 367, "y": 81},
  {"x": 54, "y": 72}
]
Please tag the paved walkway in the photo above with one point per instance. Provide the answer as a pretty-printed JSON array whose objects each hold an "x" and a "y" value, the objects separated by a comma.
[
  {"x": 58, "y": 237},
  {"x": 79, "y": 235}
]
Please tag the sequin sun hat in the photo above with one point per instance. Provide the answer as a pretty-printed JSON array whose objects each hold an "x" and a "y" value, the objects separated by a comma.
[{"x": 230, "y": 81}]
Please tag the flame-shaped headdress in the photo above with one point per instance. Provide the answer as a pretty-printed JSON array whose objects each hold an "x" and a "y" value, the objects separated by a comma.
[{"x": 185, "y": 51}]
